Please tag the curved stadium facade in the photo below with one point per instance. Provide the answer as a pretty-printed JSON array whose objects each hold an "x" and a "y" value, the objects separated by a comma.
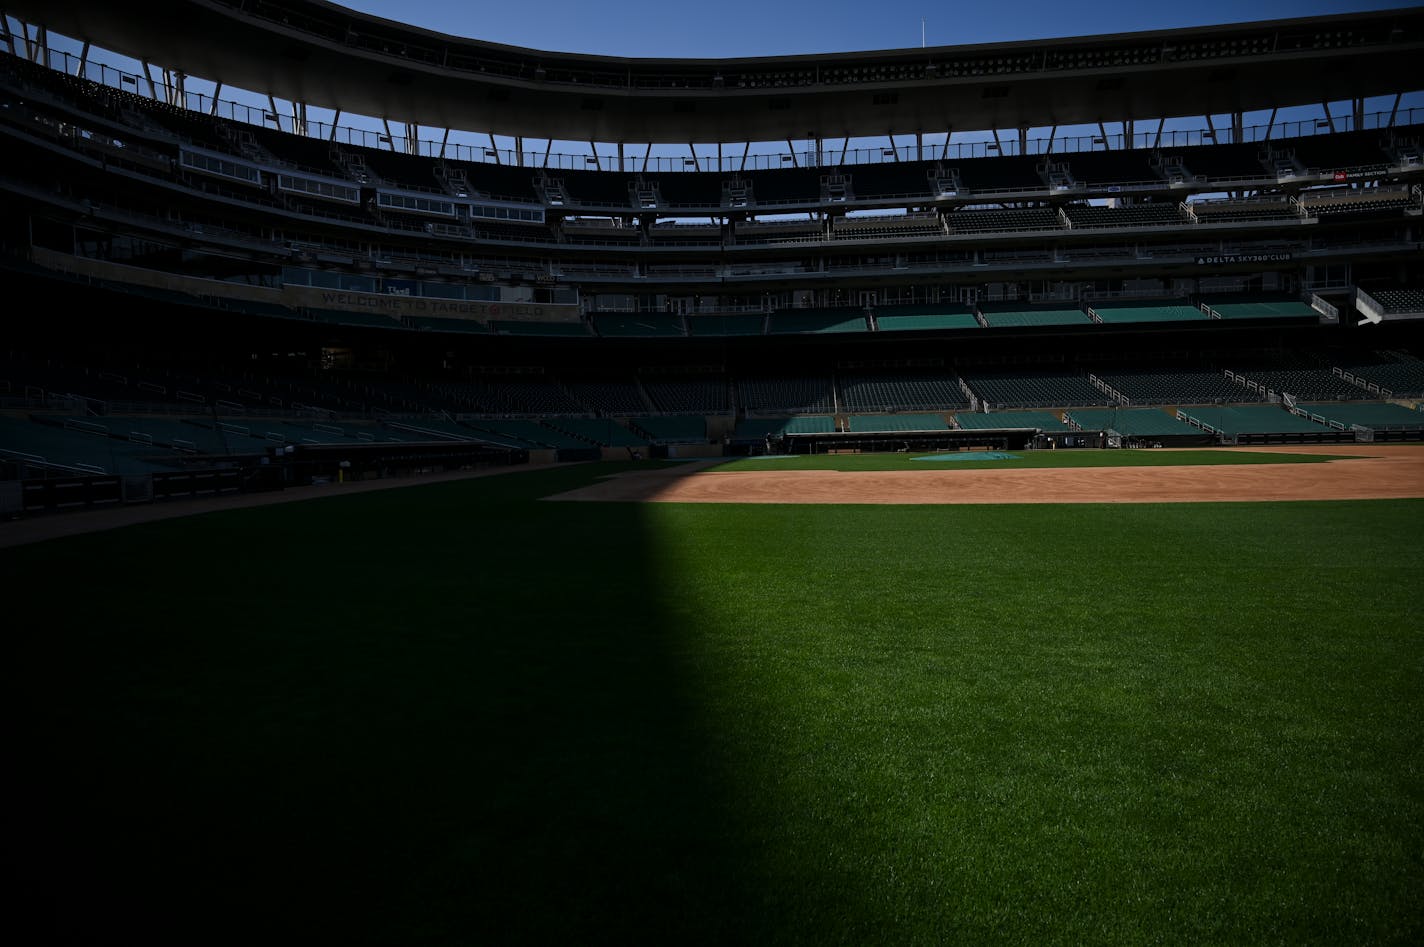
[{"x": 1205, "y": 235}]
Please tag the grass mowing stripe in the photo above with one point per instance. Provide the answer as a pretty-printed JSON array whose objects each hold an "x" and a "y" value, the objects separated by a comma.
[{"x": 451, "y": 714}]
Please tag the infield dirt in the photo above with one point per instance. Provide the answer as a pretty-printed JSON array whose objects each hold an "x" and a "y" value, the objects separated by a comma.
[{"x": 1362, "y": 472}]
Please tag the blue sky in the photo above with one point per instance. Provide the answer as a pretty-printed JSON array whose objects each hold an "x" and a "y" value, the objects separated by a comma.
[{"x": 727, "y": 28}]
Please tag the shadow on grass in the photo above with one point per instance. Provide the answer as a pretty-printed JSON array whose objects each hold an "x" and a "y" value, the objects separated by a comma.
[{"x": 441, "y": 715}]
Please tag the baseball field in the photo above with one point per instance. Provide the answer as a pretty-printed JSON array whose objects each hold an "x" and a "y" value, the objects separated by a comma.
[{"x": 1074, "y": 697}]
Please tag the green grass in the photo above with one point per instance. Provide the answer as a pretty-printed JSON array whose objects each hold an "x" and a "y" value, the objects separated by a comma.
[
  {"x": 454, "y": 714},
  {"x": 1024, "y": 458}
]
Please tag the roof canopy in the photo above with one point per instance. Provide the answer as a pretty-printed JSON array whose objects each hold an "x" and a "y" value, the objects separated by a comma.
[{"x": 326, "y": 55}]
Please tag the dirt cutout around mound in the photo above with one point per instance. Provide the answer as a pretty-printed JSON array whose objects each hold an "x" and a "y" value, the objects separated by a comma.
[{"x": 1363, "y": 472}]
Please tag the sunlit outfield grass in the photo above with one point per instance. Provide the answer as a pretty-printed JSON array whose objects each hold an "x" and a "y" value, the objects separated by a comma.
[
  {"x": 455, "y": 714},
  {"x": 968, "y": 459}
]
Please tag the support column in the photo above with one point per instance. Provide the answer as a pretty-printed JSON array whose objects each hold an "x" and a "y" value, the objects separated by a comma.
[
  {"x": 1357, "y": 112},
  {"x": 83, "y": 61},
  {"x": 1023, "y": 139},
  {"x": 791, "y": 150},
  {"x": 493, "y": 147},
  {"x": 335, "y": 123},
  {"x": 594, "y": 148},
  {"x": 1328, "y": 117}
]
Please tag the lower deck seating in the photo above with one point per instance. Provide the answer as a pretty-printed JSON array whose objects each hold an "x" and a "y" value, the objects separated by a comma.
[
  {"x": 790, "y": 395},
  {"x": 1233, "y": 307},
  {"x": 1035, "y": 389},
  {"x": 603, "y": 432},
  {"x": 1042, "y": 420},
  {"x": 1181, "y": 386},
  {"x": 886, "y": 423},
  {"x": 1142, "y": 311},
  {"x": 1133, "y": 422},
  {"x": 671, "y": 430},
  {"x": 1377, "y": 416},
  {"x": 921, "y": 392},
  {"x": 1253, "y": 419},
  {"x": 997, "y": 317}
]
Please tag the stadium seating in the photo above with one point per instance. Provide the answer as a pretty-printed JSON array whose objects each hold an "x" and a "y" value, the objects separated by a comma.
[
  {"x": 616, "y": 398},
  {"x": 1257, "y": 307},
  {"x": 1227, "y": 211},
  {"x": 817, "y": 320},
  {"x": 1300, "y": 379},
  {"x": 1399, "y": 300},
  {"x": 526, "y": 433},
  {"x": 925, "y": 317},
  {"x": 1253, "y": 419},
  {"x": 1398, "y": 373},
  {"x": 1034, "y": 389},
  {"x": 1001, "y": 315},
  {"x": 1179, "y": 386},
  {"x": 987, "y": 221},
  {"x": 756, "y": 430},
  {"x": 1042, "y": 420},
  {"x": 1146, "y": 311},
  {"x": 1086, "y": 216},
  {"x": 1377, "y": 416},
  {"x": 894, "y": 423},
  {"x": 901, "y": 392},
  {"x": 727, "y": 324},
  {"x": 645, "y": 324},
  {"x": 687, "y": 395},
  {"x": 810, "y": 425},
  {"x": 1130, "y": 422},
  {"x": 670, "y": 430},
  {"x": 786, "y": 395},
  {"x": 604, "y": 433}
]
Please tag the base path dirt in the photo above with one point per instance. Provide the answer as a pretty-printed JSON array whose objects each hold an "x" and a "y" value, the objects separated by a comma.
[{"x": 1363, "y": 472}]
